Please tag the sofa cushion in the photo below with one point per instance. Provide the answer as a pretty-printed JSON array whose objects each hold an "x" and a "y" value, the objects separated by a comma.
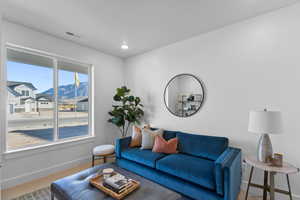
[
  {"x": 148, "y": 137},
  {"x": 210, "y": 147},
  {"x": 142, "y": 156},
  {"x": 167, "y": 135},
  {"x": 163, "y": 146},
  {"x": 136, "y": 137},
  {"x": 190, "y": 168}
]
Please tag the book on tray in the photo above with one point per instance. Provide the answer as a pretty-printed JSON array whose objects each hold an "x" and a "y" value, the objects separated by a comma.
[{"x": 116, "y": 183}]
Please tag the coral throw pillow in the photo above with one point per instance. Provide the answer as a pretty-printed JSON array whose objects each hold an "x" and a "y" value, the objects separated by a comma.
[
  {"x": 163, "y": 146},
  {"x": 136, "y": 137}
]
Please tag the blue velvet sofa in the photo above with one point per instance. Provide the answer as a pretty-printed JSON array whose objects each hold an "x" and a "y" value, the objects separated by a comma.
[{"x": 205, "y": 168}]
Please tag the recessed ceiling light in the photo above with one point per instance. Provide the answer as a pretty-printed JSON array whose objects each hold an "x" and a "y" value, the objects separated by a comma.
[{"x": 124, "y": 46}]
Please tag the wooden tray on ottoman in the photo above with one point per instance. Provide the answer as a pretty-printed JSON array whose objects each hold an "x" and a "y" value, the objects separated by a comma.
[{"x": 97, "y": 182}]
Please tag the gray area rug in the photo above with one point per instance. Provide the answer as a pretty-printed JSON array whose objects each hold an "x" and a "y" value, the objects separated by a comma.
[
  {"x": 44, "y": 194},
  {"x": 41, "y": 194}
]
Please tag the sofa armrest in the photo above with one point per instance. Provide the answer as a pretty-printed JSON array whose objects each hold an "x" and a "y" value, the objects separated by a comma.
[
  {"x": 228, "y": 173},
  {"x": 121, "y": 144}
]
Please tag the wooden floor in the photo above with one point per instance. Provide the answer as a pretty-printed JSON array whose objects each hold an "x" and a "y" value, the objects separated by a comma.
[{"x": 46, "y": 181}]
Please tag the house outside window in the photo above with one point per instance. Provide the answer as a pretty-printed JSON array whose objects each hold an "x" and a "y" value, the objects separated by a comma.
[{"x": 46, "y": 107}]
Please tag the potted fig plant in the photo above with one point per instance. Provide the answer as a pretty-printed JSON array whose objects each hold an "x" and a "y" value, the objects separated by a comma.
[{"x": 126, "y": 111}]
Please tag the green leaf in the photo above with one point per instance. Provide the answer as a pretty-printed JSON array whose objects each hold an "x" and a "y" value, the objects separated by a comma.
[
  {"x": 117, "y": 97},
  {"x": 131, "y": 98},
  {"x": 137, "y": 101},
  {"x": 125, "y": 89},
  {"x": 118, "y": 121}
]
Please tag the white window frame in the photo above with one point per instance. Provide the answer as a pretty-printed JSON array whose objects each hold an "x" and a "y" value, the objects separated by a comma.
[{"x": 3, "y": 100}]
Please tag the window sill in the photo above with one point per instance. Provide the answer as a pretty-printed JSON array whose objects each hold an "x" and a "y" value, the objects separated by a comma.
[{"x": 62, "y": 144}]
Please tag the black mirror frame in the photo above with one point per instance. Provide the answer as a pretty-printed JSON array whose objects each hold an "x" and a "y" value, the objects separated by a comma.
[{"x": 203, "y": 98}]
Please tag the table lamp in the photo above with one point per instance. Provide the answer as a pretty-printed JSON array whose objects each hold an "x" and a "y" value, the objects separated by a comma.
[{"x": 265, "y": 122}]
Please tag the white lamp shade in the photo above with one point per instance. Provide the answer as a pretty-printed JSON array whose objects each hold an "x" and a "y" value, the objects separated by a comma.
[{"x": 269, "y": 122}]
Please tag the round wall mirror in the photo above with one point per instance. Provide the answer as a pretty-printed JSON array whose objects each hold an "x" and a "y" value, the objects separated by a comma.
[{"x": 184, "y": 95}]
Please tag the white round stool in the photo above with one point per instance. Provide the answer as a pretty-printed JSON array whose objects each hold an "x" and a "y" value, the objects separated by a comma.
[{"x": 103, "y": 152}]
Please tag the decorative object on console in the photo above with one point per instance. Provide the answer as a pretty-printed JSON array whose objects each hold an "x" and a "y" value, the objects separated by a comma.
[
  {"x": 265, "y": 122},
  {"x": 126, "y": 111},
  {"x": 148, "y": 137},
  {"x": 277, "y": 160},
  {"x": 184, "y": 95},
  {"x": 163, "y": 146}
]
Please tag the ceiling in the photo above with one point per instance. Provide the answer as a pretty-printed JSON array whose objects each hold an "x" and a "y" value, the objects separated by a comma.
[{"x": 143, "y": 24}]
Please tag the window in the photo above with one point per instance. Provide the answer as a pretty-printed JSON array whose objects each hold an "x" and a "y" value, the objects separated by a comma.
[
  {"x": 25, "y": 93},
  {"x": 70, "y": 108},
  {"x": 50, "y": 103}
]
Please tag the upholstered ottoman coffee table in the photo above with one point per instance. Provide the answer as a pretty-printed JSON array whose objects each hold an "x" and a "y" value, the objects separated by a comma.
[{"x": 77, "y": 187}]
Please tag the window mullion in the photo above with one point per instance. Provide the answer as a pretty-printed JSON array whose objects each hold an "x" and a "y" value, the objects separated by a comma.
[
  {"x": 91, "y": 101},
  {"x": 55, "y": 86}
]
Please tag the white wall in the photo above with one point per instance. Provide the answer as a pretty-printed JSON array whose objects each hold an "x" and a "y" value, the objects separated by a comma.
[
  {"x": 0, "y": 72},
  {"x": 108, "y": 73},
  {"x": 1, "y": 88},
  {"x": 249, "y": 65}
]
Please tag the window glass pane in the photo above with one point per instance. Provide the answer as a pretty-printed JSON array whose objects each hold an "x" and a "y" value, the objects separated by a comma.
[
  {"x": 73, "y": 102},
  {"x": 30, "y": 121}
]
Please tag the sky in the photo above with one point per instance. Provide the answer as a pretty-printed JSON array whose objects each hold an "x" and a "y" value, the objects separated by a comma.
[{"x": 40, "y": 77}]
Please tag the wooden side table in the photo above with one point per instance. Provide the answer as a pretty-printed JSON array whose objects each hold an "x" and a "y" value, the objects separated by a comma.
[{"x": 270, "y": 171}]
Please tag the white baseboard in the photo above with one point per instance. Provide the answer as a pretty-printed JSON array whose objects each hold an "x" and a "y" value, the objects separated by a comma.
[
  {"x": 11, "y": 182},
  {"x": 244, "y": 187}
]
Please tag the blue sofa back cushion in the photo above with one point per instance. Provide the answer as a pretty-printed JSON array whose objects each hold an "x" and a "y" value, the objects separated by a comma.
[
  {"x": 169, "y": 134},
  {"x": 210, "y": 147}
]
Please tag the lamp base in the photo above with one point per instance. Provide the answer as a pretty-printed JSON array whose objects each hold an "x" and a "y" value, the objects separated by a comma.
[{"x": 264, "y": 150}]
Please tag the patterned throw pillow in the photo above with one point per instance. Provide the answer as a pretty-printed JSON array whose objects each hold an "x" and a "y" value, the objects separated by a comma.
[
  {"x": 148, "y": 137},
  {"x": 136, "y": 137},
  {"x": 163, "y": 146}
]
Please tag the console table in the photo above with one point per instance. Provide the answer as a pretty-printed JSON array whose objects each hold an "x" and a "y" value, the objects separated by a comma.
[{"x": 270, "y": 170}]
